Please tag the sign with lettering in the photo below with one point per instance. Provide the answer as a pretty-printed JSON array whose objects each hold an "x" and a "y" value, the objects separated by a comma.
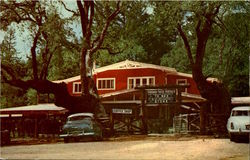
[
  {"x": 121, "y": 111},
  {"x": 161, "y": 96}
]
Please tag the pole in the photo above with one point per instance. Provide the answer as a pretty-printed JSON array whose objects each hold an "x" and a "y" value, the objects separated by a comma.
[{"x": 144, "y": 121}]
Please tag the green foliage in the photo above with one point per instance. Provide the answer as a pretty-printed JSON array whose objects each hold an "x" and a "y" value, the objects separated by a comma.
[
  {"x": 31, "y": 97},
  {"x": 11, "y": 96},
  {"x": 129, "y": 50},
  {"x": 64, "y": 64},
  {"x": 177, "y": 58},
  {"x": 227, "y": 49}
]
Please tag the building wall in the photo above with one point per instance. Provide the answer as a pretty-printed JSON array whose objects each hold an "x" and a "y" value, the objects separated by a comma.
[
  {"x": 121, "y": 79},
  {"x": 70, "y": 87},
  {"x": 172, "y": 79}
]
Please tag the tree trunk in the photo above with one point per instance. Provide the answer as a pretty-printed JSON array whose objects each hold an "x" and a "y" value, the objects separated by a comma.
[
  {"x": 219, "y": 97},
  {"x": 214, "y": 92},
  {"x": 84, "y": 77}
]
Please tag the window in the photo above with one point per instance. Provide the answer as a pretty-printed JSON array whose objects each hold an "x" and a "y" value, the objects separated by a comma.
[
  {"x": 182, "y": 82},
  {"x": 140, "y": 81},
  {"x": 105, "y": 83},
  {"x": 241, "y": 113},
  {"x": 151, "y": 81},
  {"x": 77, "y": 87}
]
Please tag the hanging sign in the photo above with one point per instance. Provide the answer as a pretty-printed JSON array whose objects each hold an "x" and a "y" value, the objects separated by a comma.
[{"x": 161, "y": 96}]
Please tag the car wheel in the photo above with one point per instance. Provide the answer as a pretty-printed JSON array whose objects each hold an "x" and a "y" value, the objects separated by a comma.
[
  {"x": 232, "y": 137},
  {"x": 66, "y": 140},
  {"x": 99, "y": 137}
]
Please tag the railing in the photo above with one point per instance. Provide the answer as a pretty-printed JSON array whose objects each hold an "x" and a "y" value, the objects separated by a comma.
[{"x": 187, "y": 123}]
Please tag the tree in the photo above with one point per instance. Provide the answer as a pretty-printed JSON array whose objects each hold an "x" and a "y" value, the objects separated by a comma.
[
  {"x": 204, "y": 18},
  {"x": 227, "y": 48},
  {"x": 42, "y": 23},
  {"x": 236, "y": 71},
  {"x": 91, "y": 45}
]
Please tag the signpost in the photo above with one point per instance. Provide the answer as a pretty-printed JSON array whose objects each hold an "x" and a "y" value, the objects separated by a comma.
[{"x": 161, "y": 96}]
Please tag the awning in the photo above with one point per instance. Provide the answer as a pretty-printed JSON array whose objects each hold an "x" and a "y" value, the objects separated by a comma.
[
  {"x": 39, "y": 109},
  {"x": 240, "y": 100}
]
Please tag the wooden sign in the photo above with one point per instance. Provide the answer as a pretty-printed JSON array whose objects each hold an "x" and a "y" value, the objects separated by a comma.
[
  {"x": 121, "y": 111},
  {"x": 161, "y": 96}
]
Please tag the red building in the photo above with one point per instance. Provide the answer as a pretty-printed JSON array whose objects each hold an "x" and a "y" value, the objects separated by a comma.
[
  {"x": 127, "y": 106},
  {"x": 127, "y": 74}
]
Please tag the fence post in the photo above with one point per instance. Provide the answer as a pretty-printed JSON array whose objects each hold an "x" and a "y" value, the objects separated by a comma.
[{"x": 202, "y": 119}]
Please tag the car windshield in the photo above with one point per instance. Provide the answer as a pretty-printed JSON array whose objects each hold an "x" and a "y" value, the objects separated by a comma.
[
  {"x": 79, "y": 118},
  {"x": 241, "y": 113}
]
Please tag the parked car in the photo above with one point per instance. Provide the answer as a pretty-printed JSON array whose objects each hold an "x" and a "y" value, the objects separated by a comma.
[
  {"x": 81, "y": 125},
  {"x": 238, "y": 123}
]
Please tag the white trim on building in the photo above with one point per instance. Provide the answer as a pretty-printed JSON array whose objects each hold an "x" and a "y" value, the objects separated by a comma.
[
  {"x": 76, "y": 87},
  {"x": 182, "y": 82},
  {"x": 127, "y": 64},
  {"x": 140, "y": 81},
  {"x": 105, "y": 83}
]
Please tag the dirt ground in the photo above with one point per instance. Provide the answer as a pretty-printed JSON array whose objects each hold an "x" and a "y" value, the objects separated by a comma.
[{"x": 133, "y": 147}]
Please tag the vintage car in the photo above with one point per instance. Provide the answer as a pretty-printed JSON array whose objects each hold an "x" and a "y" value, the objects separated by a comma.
[
  {"x": 80, "y": 126},
  {"x": 238, "y": 123}
]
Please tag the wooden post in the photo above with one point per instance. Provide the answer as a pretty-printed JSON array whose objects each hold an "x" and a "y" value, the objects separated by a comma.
[
  {"x": 177, "y": 112},
  {"x": 202, "y": 119},
  {"x": 111, "y": 122},
  {"x": 144, "y": 121},
  {"x": 38, "y": 98},
  {"x": 48, "y": 98},
  {"x": 36, "y": 128}
]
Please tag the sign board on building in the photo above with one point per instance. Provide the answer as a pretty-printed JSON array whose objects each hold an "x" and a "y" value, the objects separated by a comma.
[
  {"x": 161, "y": 96},
  {"x": 121, "y": 111}
]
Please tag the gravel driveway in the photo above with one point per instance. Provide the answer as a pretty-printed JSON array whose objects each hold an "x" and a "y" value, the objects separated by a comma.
[{"x": 134, "y": 148}]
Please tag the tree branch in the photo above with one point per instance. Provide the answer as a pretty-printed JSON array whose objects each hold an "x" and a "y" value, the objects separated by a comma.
[
  {"x": 89, "y": 33},
  {"x": 8, "y": 70},
  {"x": 83, "y": 17},
  {"x": 198, "y": 27},
  {"x": 203, "y": 35},
  {"x": 110, "y": 50},
  {"x": 187, "y": 46},
  {"x": 33, "y": 54},
  {"x": 105, "y": 28},
  {"x": 69, "y": 10}
]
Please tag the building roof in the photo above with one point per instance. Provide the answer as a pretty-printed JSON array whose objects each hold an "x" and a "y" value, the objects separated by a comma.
[
  {"x": 127, "y": 64},
  {"x": 33, "y": 109},
  {"x": 191, "y": 76},
  {"x": 186, "y": 96},
  {"x": 71, "y": 79},
  {"x": 240, "y": 100},
  {"x": 118, "y": 92}
]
